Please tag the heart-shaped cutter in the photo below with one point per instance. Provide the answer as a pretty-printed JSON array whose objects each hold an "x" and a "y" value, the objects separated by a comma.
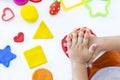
[{"x": 4, "y": 14}]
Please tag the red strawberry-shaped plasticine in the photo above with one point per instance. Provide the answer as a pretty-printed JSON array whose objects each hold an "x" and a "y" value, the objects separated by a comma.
[{"x": 54, "y": 8}]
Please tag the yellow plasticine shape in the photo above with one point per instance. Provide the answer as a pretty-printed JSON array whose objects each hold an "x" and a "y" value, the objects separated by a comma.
[
  {"x": 35, "y": 56},
  {"x": 71, "y": 6},
  {"x": 43, "y": 32},
  {"x": 29, "y": 13}
]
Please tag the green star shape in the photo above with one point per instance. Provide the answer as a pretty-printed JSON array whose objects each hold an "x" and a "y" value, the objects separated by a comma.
[{"x": 98, "y": 13}]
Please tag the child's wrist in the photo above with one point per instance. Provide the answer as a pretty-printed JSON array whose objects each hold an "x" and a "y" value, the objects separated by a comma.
[{"x": 79, "y": 64}]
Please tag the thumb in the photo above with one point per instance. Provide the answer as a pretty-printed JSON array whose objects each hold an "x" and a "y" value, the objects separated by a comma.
[
  {"x": 92, "y": 52},
  {"x": 92, "y": 48},
  {"x": 92, "y": 58}
]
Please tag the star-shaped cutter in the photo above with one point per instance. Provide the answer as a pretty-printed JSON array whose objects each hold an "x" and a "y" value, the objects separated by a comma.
[
  {"x": 73, "y": 6},
  {"x": 6, "y": 56},
  {"x": 98, "y": 13}
]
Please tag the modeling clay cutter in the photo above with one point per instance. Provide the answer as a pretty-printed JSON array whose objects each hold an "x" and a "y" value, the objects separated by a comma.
[
  {"x": 97, "y": 13},
  {"x": 78, "y": 3},
  {"x": 8, "y": 14}
]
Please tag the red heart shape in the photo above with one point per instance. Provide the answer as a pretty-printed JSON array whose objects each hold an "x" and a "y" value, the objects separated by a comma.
[
  {"x": 19, "y": 37},
  {"x": 35, "y": 0},
  {"x": 7, "y": 11}
]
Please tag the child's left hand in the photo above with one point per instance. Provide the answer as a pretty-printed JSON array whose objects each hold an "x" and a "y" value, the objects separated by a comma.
[{"x": 78, "y": 47}]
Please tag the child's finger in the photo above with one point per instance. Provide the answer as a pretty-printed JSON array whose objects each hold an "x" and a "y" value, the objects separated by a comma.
[
  {"x": 92, "y": 49},
  {"x": 86, "y": 38},
  {"x": 93, "y": 58},
  {"x": 74, "y": 38},
  {"x": 80, "y": 36},
  {"x": 69, "y": 42}
]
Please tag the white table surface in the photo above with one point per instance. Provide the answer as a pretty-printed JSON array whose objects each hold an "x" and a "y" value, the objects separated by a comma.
[{"x": 60, "y": 25}]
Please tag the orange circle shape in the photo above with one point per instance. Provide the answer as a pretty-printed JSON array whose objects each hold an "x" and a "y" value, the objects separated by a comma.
[{"x": 42, "y": 74}]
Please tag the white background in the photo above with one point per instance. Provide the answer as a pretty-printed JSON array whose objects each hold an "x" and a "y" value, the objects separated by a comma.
[{"x": 60, "y": 25}]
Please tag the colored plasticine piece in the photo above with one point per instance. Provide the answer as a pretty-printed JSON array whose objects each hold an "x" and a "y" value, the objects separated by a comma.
[
  {"x": 21, "y": 2},
  {"x": 6, "y": 56},
  {"x": 29, "y": 13},
  {"x": 19, "y": 37},
  {"x": 54, "y": 8},
  {"x": 35, "y": 1},
  {"x": 70, "y": 4},
  {"x": 43, "y": 32},
  {"x": 8, "y": 14},
  {"x": 42, "y": 74},
  {"x": 64, "y": 42},
  {"x": 35, "y": 56},
  {"x": 99, "y": 5}
]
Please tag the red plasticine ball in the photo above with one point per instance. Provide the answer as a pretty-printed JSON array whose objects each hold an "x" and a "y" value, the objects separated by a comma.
[{"x": 63, "y": 42}]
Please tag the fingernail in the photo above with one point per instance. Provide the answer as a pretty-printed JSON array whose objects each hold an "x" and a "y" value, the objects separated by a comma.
[
  {"x": 65, "y": 44},
  {"x": 90, "y": 65},
  {"x": 87, "y": 30},
  {"x": 94, "y": 46},
  {"x": 81, "y": 29},
  {"x": 75, "y": 29},
  {"x": 67, "y": 51}
]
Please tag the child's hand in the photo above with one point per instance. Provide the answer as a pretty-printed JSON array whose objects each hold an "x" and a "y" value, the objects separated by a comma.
[
  {"x": 78, "y": 47},
  {"x": 94, "y": 40}
]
